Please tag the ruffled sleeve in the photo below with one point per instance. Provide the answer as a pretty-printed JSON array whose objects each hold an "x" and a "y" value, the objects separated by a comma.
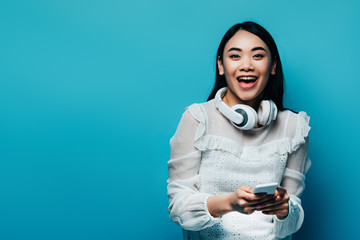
[
  {"x": 187, "y": 206},
  {"x": 297, "y": 165}
]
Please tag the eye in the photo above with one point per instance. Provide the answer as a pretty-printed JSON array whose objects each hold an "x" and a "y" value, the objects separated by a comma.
[
  {"x": 258, "y": 56},
  {"x": 234, "y": 56}
]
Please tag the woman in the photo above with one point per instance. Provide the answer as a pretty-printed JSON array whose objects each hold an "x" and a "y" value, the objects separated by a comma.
[{"x": 223, "y": 148}]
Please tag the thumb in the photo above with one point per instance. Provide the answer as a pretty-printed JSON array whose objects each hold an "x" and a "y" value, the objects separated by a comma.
[
  {"x": 281, "y": 190},
  {"x": 247, "y": 189}
]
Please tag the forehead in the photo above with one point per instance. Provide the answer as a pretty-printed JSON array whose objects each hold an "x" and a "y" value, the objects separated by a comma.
[{"x": 246, "y": 41}]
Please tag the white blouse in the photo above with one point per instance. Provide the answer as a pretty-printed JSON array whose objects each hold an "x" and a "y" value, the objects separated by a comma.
[{"x": 210, "y": 157}]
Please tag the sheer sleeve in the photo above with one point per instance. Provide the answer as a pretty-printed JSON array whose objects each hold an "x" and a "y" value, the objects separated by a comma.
[
  {"x": 187, "y": 206},
  {"x": 298, "y": 164}
]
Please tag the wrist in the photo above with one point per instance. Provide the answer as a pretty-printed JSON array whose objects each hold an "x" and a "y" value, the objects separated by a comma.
[{"x": 219, "y": 205}]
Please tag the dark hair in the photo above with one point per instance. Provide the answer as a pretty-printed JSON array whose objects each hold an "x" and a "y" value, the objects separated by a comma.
[{"x": 274, "y": 89}]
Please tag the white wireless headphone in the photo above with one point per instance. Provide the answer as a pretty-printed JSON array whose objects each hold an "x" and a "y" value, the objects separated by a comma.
[{"x": 243, "y": 116}]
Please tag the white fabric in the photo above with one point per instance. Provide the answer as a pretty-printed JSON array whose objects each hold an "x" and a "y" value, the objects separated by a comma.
[{"x": 211, "y": 157}]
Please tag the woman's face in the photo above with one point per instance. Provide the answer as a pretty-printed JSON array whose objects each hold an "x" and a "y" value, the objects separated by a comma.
[{"x": 246, "y": 65}]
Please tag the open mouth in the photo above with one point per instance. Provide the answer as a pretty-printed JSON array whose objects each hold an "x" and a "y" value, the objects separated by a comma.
[
  {"x": 247, "y": 82},
  {"x": 247, "y": 79}
]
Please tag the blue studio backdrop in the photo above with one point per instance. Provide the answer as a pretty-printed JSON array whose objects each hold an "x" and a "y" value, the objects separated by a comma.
[{"x": 92, "y": 91}]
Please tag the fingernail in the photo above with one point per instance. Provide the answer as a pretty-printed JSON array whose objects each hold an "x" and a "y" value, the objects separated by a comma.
[{"x": 258, "y": 207}]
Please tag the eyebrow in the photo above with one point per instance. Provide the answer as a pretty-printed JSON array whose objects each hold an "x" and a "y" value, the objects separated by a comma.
[{"x": 240, "y": 50}]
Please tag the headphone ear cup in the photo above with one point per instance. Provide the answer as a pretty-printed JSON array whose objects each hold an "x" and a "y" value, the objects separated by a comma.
[
  {"x": 249, "y": 114},
  {"x": 267, "y": 112},
  {"x": 274, "y": 110},
  {"x": 264, "y": 112}
]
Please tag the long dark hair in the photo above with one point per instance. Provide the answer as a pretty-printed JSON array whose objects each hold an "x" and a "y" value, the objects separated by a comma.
[{"x": 274, "y": 89}]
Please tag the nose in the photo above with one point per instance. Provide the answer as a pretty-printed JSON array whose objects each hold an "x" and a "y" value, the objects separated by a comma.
[{"x": 246, "y": 65}]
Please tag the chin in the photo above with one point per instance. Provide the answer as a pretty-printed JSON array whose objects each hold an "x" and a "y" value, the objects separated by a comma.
[{"x": 247, "y": 96}]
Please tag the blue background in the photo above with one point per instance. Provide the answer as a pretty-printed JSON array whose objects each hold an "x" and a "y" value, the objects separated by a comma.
[{"x": 92, "y": 91}]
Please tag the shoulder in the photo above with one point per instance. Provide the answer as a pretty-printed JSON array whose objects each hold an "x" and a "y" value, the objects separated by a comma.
[
  {"x": 199, "y": 111},
  {"x": 293, "y": 123},
  {"x": 291, "y": 128}
]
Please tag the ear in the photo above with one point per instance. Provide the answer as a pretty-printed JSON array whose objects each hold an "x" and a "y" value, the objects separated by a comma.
[
  {"x": 220, "y": 66},
  {"x": 273, "y": 68}
]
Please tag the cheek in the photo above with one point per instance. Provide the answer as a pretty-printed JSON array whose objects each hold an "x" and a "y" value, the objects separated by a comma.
[
  {"x": 230, "y": 67},
  {"x": 265, "y": 68}
]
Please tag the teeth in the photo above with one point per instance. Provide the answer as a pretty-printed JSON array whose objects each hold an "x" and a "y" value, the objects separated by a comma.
[{"x": 247, "y": 78}]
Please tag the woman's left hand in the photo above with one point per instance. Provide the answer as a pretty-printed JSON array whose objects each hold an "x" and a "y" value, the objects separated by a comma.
[{"x": 278, "y": 206}]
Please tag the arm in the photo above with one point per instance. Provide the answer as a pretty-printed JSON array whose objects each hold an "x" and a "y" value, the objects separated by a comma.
[
  {"x": 286, "y": 208},
  {"x": 294, "y": 182},
  {"x": 187, "y": 205}
]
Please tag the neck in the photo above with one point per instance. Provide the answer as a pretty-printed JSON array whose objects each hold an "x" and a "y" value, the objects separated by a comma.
[{"x": 230, "y": 99}]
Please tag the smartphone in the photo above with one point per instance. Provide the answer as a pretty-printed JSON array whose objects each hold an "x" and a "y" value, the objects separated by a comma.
[{"x": 268, "y": 188}]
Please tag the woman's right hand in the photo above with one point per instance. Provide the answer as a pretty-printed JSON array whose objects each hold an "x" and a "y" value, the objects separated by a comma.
[
  {"x": 244, "y": 201},
  {"x": 241, "y": 200}
]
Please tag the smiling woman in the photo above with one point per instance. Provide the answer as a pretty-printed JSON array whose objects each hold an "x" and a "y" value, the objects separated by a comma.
[
  {"x": 246, "y": 69},
  {"x": 240, "y": 138}
]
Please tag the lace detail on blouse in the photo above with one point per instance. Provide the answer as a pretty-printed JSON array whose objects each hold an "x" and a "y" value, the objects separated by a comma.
[
  {"x": 276, "y": 153},
  {"x": 282, "y": 146}
]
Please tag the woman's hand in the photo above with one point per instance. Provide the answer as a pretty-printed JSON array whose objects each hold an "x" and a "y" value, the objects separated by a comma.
[
  {"x": 244, "y": 201},
  {"x": 278, "y": 206}
]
